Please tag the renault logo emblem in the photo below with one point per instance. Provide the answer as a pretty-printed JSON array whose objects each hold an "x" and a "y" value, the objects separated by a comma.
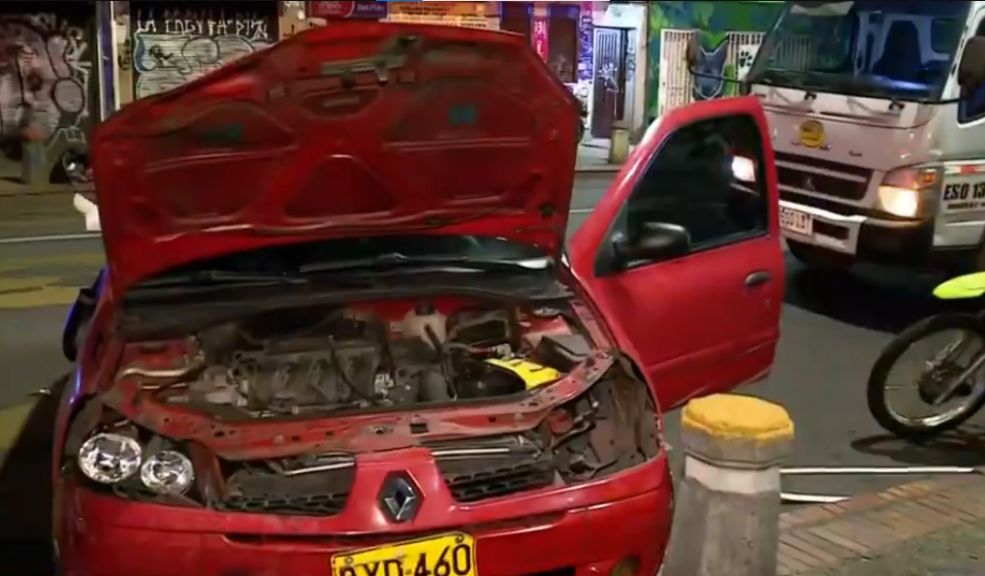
[{"x": 399, "y": 498}]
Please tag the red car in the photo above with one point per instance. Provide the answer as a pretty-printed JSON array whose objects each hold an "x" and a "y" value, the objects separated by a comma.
[{"x": 339, "y": 334}]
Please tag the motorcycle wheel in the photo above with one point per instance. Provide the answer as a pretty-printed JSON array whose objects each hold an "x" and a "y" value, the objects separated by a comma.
[{"x": 921, "y": 428}]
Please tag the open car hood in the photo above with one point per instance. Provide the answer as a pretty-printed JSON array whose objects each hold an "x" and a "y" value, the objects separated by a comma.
[{"x": 352, "y": 129}]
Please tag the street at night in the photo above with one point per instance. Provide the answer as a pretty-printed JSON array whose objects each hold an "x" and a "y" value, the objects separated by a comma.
[
  {"x": 337, "y": 330},
  {"x": 832, "y": 330}
]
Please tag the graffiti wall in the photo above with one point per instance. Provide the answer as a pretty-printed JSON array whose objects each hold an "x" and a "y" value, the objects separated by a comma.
[
  {"x": 47, "y": 78},
  {"x": 174, "y": 42},
  {"x": 713, "y": 22}
]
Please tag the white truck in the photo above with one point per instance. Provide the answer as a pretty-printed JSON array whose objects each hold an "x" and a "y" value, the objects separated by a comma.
[{"x": 877, "y": 113}]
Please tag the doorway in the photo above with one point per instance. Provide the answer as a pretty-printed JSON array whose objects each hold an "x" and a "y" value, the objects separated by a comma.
[{"x": 609, "y": 93}]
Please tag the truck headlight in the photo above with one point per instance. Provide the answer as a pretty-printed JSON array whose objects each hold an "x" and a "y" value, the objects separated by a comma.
[
  {"x": 904, "y": 191},
  {"x": 109, "y": 458},
  {"x": 168, "y": 472},
  {"x": 744, "y": 169},
  {"x": 901, "y": 202}
]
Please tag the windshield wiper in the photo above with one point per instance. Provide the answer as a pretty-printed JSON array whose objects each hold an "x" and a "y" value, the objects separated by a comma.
[{"x": 392, "y": 260}]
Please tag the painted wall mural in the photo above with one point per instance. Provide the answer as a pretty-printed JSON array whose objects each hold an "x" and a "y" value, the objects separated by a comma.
[
  {"x": 46, "y": 82},
  {"x": 710, "y": 63},
  {"x": 174, "y": 45},
  {"x": 586, "y": 40},
  {"x": 713, "y": 21}
]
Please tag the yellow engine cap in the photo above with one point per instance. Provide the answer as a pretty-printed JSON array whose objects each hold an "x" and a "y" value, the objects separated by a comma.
[{"x": 532, "y": 374}]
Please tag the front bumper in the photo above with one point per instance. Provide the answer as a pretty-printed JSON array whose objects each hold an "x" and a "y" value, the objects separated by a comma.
[
  {"x": 895, "y": 242},
  {"x": 584, "y": 530}
]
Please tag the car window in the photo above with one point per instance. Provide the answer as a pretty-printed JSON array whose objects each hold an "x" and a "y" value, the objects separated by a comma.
[{"x": 709, "y": 178}]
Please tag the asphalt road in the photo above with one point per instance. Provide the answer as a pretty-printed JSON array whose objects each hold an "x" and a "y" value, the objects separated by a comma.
[{"x": 833, "y": 328}]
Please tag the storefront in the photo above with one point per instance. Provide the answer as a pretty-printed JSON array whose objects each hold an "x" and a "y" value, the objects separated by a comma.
[
  {"x": 564, "y": 33},
  {"x": 616, "y": 93},
  {"x": 466, "y": 14},
  {"x": 323, "y": 11},
  {"x": 172, "y": 42},
  {"x": 49, "y": 88},
  {"x": 593, "y": 47}
]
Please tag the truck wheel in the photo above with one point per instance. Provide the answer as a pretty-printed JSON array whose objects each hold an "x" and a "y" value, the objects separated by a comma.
[{"x": 819, "y": 259}]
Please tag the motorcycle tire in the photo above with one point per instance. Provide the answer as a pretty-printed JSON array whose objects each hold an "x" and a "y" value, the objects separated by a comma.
[{"x": 876, "y": 391}]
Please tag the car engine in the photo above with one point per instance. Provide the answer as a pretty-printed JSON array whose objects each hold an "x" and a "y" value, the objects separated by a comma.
[{"x": 294, "y": 362}]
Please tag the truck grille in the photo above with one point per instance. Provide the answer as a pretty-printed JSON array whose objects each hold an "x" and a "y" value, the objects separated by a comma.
[{"x": 801, "y": 174}]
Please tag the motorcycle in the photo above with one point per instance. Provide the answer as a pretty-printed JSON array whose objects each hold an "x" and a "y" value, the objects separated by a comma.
[{"x": 950, "y": 382}]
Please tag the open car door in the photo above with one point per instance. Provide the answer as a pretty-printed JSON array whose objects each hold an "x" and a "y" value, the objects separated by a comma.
[{"x": 682, "y": 256}]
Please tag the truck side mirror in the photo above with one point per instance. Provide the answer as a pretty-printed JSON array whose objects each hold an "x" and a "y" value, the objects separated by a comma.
[{"x": 971, "y": 70}]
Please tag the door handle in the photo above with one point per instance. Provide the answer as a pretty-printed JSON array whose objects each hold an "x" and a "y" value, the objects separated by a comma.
[{"x": 757, "y": 278}]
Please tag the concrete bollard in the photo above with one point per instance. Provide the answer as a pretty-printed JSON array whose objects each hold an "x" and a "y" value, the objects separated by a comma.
[
  {"x": 726, "y": 513},
  {"x": 33, "y": 164},
  {"x": 33, "y": 161},
  {"x": 619, "y": 143}
]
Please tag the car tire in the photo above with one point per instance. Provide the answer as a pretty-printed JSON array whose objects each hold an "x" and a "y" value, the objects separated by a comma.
[{"x": 819, "y": 259}]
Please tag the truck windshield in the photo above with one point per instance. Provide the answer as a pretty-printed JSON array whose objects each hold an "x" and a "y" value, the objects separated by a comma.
[{"x": 900, "y": 50}]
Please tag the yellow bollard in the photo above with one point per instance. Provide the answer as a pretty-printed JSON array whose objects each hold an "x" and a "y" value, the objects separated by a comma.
[{"x": 726, "y": 514}]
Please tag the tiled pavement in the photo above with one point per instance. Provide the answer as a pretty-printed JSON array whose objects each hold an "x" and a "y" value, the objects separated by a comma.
[{"x": 820, "y": 538}]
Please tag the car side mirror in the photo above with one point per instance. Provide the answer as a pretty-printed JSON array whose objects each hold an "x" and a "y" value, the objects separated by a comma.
[
  {"x": 655, "y": 241},
  {"x": 971, "y": 70}
]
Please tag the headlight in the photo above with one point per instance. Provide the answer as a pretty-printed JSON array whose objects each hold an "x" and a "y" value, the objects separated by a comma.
[
  {"x": 903, "y": 191},
  {"x": 109, "y": 458},
  {"x": 168, "y": 472},
  {"x": 744, "y": 169},
  {"x": 899, "y": 201}
]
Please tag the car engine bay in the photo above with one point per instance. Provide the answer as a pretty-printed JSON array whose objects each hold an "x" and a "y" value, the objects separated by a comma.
[
  {"x": 179, "y": 391},
  {"x": 384, "y": 355}
]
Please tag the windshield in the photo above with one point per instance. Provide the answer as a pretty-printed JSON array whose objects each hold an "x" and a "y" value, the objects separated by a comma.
[{"x": 900, "y": 50}]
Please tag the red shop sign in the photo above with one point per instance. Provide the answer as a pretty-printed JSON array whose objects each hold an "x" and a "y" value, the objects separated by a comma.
[
  {"x": 540, "y": 37},
  {"x": 331, "y": 9},
  {"x": 350, "y": 9}
]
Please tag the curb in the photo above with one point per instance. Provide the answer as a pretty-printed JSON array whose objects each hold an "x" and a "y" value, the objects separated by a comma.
[
  {"x": 820, "y": 537},
  {"x": 49, "y": 192}
]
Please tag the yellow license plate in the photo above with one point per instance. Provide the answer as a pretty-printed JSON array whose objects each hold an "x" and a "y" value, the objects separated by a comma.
[{"x": 446, "y": 555}]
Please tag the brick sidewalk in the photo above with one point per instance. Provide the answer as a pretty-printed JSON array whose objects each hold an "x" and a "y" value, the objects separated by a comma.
[{"x": 819, "y": 537}]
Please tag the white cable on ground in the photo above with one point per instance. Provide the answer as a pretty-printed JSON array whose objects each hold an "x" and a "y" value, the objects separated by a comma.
[
  {"x": 88, "y": 209},
  {"x": 876, "y": 470},
  {"x": 797, "y": 498}
]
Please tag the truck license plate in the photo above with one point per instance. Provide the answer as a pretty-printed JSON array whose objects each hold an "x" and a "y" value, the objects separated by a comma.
[
  {"x": 796, "y": 221},
  {"x": 445, "y": 555}
]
